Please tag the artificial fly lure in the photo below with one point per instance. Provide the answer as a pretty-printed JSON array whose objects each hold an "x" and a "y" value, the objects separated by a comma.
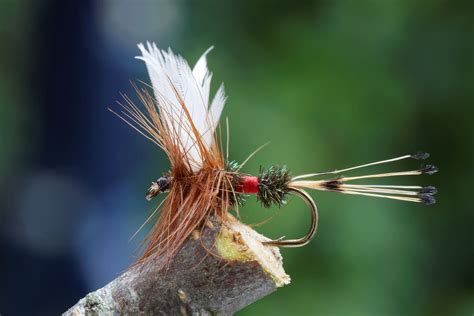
[{"x": 179, "y": 118}]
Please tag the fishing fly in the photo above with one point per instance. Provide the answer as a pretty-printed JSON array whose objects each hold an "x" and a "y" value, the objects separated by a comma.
[{"x": 179, "y": 117}]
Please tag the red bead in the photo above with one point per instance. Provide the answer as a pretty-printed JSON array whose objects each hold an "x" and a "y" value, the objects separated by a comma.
[{"x": 248, "y": 185}]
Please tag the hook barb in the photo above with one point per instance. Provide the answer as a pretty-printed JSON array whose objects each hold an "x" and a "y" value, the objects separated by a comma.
[{"x": 312, "y": 230}]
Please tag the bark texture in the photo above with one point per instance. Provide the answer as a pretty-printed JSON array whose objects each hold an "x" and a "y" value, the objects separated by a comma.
[{"x": 218, "y": 271}]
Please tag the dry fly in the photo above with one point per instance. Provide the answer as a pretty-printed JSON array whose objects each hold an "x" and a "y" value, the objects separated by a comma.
[{"x": 179, "y": 117}]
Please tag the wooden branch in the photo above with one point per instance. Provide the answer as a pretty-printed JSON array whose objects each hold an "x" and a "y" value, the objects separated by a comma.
[{"x": 240, "y": 271}]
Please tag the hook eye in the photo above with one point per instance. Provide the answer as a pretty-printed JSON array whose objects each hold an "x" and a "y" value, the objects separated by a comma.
[
  {"x": 153, "y": 191},
  {"x": 312, "y": 230},
  {"x": 157, "y": 187}
]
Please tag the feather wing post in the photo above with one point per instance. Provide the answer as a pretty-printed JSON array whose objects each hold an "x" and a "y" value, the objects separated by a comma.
[{"x": 179, "y": 118}]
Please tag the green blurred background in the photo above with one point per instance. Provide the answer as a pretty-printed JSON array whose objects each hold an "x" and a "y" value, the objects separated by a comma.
[{"x": 330, "y": 84}]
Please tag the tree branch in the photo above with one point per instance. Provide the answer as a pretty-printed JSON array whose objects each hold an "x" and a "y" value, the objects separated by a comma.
[{"x": 217, "y": 271}]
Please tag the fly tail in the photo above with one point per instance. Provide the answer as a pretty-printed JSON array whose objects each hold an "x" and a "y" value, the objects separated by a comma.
[{"x": 342, "y": 184}]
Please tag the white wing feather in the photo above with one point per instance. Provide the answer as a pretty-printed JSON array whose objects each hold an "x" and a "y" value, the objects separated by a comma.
[{"x": 168, "y": 72}]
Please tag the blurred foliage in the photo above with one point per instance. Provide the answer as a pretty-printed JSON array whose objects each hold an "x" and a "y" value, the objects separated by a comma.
[{"x": 329, "y": 83}]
